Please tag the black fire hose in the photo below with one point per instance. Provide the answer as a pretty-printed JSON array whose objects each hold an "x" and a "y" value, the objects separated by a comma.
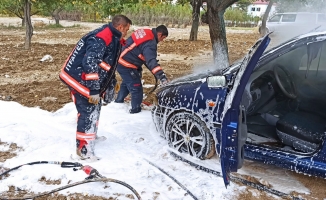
[
  {"x": 175, "y": 180},
  {"x": 94, "y": 176},
  {"x": 257, "y": 186},
  {"x": 63, "y": 165},
  {"x": 72, "y": 185},
  {"x": 152, "y": 90}
]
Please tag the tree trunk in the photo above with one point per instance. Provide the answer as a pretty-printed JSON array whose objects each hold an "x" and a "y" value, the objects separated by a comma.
[
  {"x": 56, "y": 20},
  {"x": 56, "y": 16},
  {"x": 217, "y": 34},
  {"x": 23, "y": 22},
  {"x": 94, "y": 16},
  {"x": 263, "y": 29},
  {"x": 196, "y": 4},
  {"x": 29, "y": 27}
]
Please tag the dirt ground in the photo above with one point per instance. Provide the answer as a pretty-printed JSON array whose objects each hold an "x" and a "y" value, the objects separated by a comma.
[
  {"x": 32, "y": 83},
  {"x": 26, "y": 80}
]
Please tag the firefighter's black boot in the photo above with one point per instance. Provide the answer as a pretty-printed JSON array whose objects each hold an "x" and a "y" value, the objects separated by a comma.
[{"x": 135, "y": 110}]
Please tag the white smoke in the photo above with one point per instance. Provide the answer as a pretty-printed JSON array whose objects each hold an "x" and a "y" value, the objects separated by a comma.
[
  {"x": 298, "y": 18},
  {"x": 219, "y": 61}
]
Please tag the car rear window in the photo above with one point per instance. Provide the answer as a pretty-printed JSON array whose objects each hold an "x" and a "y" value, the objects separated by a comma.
[
  {"x": 321, "y": 18},
  {"x": 275, "y": 18},
  {"x": 289, "y": 17}
]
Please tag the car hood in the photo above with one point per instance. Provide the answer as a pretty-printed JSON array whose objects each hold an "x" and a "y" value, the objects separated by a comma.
[
  {"x": 199, "y": 76},
  {"x": 194, "y": 77}
]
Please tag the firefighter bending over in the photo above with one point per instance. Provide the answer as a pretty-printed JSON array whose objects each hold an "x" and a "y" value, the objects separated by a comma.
[{"x": 140, "y": 48}]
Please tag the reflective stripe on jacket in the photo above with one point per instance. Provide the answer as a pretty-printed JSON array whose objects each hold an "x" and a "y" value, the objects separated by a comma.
[
  {"x": 141, "y": 48},
  {"x": 92, "y": 63}
]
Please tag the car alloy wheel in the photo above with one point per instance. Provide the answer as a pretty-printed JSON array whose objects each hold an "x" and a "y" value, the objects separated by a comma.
[{"x": 188, "y": 134}]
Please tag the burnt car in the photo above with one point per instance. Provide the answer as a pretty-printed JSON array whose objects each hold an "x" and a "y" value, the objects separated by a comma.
[{"x": 270, "y": 107}]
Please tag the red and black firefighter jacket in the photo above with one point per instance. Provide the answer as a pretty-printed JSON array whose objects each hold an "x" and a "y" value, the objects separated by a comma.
[
  {"x": 141, "y": 48},
  {"x": 91, "y": 65}
]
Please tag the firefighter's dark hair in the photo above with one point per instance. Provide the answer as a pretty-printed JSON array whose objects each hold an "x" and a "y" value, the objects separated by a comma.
[
  {"x": 120, "y": 20},
  {"x": 162, "y": 29}
]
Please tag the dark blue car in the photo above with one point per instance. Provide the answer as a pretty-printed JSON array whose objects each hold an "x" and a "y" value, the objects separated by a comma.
[{"x": 271, "y": 107}]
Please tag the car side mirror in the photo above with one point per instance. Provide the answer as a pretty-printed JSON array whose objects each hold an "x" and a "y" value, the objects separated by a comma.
[{"x": 216, "y": 81}]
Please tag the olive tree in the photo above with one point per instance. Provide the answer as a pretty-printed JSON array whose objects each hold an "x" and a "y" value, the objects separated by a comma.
[
  {"x": 28, "y": 21},
  {"x": 196, "y": 5},
  {"x": 16, "y": 7},
  {"x": 217, "y": 31},
  {"x": 54, "y": 7},
  {"x": 243, "y": 4}
]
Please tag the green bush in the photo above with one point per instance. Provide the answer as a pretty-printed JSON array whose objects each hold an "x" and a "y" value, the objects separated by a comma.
[
  {"x": 54, "y": 26},
  {"x": 236, "y": 17},
  {"x": 167, "y": 14}
]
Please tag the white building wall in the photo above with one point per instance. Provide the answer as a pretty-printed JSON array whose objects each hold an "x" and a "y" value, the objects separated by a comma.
[{"x": 259, "y": 10}]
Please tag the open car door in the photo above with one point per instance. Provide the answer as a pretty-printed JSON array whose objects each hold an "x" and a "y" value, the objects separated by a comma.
[{"x": 234, "y": 129}]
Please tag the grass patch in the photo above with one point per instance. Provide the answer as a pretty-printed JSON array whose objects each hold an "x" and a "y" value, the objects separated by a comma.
[
  {"x": 241, "y": 28},
  {"x": 37, "y": 26},
  {"x": 74, "y": 26},
  {"x": 53, "y": 26},
  {"x": 58, "y": 26},
  {"x": 97, "y": 21},
  {"x": 10, "y": 26}
]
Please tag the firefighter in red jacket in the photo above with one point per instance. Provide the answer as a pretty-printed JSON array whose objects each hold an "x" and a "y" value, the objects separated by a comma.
[
  {"x": 140, "y": 48},
  {"x": 88, "y": 72}
]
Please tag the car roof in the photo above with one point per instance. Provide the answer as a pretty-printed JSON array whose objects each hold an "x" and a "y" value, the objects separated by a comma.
[
  {"x": 321, "y": 33},
  {"x": 313, "y": 13},
  {"x": 315, "y": 33}
]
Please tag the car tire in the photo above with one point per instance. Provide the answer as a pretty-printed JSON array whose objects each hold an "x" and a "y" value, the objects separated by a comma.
[{"x": 197, "y": 142}]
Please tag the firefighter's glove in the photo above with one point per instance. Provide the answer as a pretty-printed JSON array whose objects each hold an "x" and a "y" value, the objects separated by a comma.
[
  {"x": 94, "y": 99},
  {"x": 164, "y": 81},
  {"x": 109, "y": 94}
]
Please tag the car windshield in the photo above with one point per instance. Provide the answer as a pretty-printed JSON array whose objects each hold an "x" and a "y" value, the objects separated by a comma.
[{"x": 275, "y": 18}]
